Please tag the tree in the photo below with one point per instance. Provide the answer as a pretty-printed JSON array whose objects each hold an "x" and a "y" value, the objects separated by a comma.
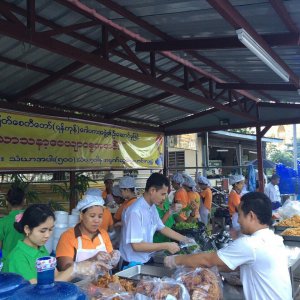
[
  {"x": 278, "y": 156},
  {"x": 248, "y": 130}
]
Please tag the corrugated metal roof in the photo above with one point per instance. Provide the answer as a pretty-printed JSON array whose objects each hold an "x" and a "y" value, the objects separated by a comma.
[{"x": 177, "y": 19}]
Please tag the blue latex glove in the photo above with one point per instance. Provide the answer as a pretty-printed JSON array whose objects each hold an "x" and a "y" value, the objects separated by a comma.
[{"x": 132, "y": 264}]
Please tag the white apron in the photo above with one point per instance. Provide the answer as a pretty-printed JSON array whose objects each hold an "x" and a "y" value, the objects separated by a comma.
[
  {"x": 235, "y": 223},
  {"x": 84, "y": 254},
  {"x": 204, "y": 212}
]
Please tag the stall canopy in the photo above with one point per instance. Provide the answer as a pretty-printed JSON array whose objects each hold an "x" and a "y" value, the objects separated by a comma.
[{"x": 169, "y": 66}]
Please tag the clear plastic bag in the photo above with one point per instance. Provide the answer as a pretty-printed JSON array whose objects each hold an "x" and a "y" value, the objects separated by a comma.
[
  {"x": 202, "y": 284},
  {"x": 161, "y": 289},
  {"x": 289, "y": 209}
]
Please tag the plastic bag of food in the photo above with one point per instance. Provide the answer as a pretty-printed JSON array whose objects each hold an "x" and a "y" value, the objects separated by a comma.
[
  {"x": 289, "y": 209},
  {"x": 161, "y": 289},
  {"x": 109, "y": 287},
  {"x": 202, "y": 284}
]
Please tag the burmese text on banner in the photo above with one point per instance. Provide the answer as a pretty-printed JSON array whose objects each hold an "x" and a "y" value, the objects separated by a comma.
[{"x": 34, "y": 142}]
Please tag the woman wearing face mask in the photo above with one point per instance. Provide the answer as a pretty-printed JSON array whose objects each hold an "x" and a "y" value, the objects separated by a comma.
[
  {"x": 87, "y": 239},
  {"x": 37, "y": 225}
]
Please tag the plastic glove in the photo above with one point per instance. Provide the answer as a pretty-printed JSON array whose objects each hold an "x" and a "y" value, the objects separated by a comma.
[
  {"x": 188, "y": 241},
  {"x": 86, "y": 268},
  {"x": 103, "y": 256},
  {"x": 115, "y": 257},
  {"x": 170, "y": 261}
]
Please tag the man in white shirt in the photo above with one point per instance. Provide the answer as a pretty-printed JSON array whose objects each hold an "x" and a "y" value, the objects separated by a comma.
[
  {"x": 272, "y": 191},
  {"x": 260, "y": 253},
  {"x": 141, "y": 220}
]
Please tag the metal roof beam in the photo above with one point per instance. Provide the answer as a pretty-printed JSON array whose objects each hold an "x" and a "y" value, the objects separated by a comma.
[
  {"x": 284, "y": 15},
  {"x": 89, "y": 12},
  {"x": 279, "y": 39},
  {"x": 9, "y": 16},
  {"x": 231, "y": 15},
  {"x": 31, "y": 15},
  {"x": 256, "y": 86},
  {"x": 68, "y": 29}
]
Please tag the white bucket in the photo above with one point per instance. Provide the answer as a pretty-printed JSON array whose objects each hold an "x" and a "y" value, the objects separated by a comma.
[
  {"x": 73, "y": 219},
  {"x": 55, "y": 242},
  {"x": 61, "y": 217},
  {"x": 59, "y": 229},
  {"x": 49, "y": 244},
  {"x": 75, "y": 211}
]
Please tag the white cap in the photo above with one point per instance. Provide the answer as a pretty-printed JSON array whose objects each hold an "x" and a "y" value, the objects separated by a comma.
[
  {"x": 88, "y": 201},
  {"x": 203, "y": 180},
  {"x": 109, "y": 176},
  {"x": 127, "y": 182},
  {"x": 178, "y": 178},
  {"x": 189, "y": 181},
  {"x": 116, "y": 191},
  {"x": 94, "y": 192},
  {"x": 235, "y": 178}
]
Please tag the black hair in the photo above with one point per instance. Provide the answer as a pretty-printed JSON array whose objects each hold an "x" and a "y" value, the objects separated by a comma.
[
  {"x": 260, "y": 204},
  {"x": 157, "y": 181},
  {"x": 33, "y": 216},
  {"x": 275, "y": 176},
  {"x": 15, "y": 196}
]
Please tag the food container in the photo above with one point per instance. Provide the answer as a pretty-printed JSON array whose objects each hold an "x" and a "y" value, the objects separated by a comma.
[{"x": 141, "y": 271}]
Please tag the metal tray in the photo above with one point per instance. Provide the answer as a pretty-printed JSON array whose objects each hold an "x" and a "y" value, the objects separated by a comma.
[
  {"x": 293, "y": 238},
  {"x": 279, "y": 229},
  {"x": 141, "y": 271}
]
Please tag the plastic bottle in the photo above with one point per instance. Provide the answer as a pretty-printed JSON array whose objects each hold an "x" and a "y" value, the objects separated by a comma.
[{"x": 46, "y": 288}]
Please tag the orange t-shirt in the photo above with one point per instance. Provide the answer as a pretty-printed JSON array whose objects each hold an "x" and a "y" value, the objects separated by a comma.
[
  {"x": 234, "y": 200},
  {"x": 194, "y": 196},
  {"x": 206, "y": 197},
  {"x": 181, "y": 196},
  {"x": 68, "y": 243},
  {"x": 124, "y": 205},
  {"x": 104, "y": 194},
  {"x": 107, "y": 219}
]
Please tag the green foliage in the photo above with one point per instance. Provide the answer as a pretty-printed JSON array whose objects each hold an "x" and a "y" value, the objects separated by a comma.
[
  {"x": 279, "y": 156},
  {"x": 248, "y": 130},
  {"x": 82, "y": 183},
  {"x": 20, "y": 181}
]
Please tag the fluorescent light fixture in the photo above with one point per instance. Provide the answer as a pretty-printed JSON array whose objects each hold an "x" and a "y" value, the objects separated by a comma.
[
  {"x": 256, "y": 49},
  {"x": 253, "y": 152},
  {"x": 222, "y": 150}
]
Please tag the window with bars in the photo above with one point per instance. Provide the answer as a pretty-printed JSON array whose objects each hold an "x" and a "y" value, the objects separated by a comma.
[{"x": 177, "y": 160}]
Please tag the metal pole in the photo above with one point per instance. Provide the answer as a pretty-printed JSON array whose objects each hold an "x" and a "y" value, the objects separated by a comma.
[
  {"x": 259, "y": 160},
  {"x": 295, "y": 145},
  {"x": 166, "y": 156},
  {"x": 196, "y": 154},
  {"x": 207, "y": 150},
  {"x": 72, "y": 203}
]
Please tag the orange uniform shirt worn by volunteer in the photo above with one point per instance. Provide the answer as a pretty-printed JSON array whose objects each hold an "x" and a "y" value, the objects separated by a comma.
[
  {"x": 234, "y": 200},
  {"x": 194, "y": 197},
  {"x": 206, "y": 197},
  {"x": 124, "y": 205},
  {"x": 181, "y": 196},
  {"x": 68, "y": 242},
  {"x": 107, "y": 219}
]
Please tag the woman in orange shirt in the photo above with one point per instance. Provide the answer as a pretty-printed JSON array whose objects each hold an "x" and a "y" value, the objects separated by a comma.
[
  {"x": 180, "y": 195},
  {"x": 127, "y": 187},
  {"x": 86, "y": 240},
  {"x": 189, "y": 185},
  {"x": 234, "y": 198},
  {"x": 206, "y": 198}
]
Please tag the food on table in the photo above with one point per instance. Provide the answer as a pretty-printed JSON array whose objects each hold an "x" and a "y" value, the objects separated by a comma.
[
  {"x": 291, "y": 232},
  {"x": 202, "y": 284},
  {"x": 186, "y": 225},
  {"x": 106, "y": 280},
  {"x": 291, "y": 222},
  {"x": 158, "y": 290}
]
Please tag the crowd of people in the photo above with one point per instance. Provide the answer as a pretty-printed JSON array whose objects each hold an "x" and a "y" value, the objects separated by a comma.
[{"x": 143, "y": 226}]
